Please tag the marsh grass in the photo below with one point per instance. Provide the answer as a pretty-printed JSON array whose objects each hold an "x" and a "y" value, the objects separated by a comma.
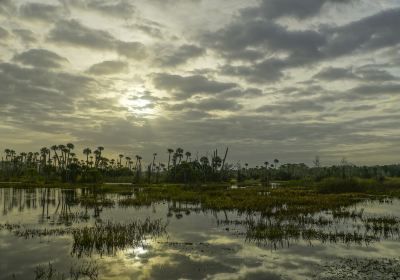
[
  {"x": 83, "y": 270},
  {"x": 111, "y": 237},
  {"x": 102, "y": 238},
  {"x": 92, "y": 202},
  {"x": 281, "y": 235}
]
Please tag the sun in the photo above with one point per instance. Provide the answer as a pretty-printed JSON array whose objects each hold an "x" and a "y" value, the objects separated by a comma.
[{"x": 139, "y": 106}]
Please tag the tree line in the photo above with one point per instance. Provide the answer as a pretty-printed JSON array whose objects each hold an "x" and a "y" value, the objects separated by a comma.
[{"x": 61, "y": 163}]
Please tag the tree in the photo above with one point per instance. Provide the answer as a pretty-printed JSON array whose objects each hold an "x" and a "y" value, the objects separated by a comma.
[
  {"x": 317, "y": 162},
  {"x": 276, "y": 161},
  {"x": 120, "y": 159},
  {"x": 179, "y": 154},
  {"x": 87, "y": 152},
  {"x": 170, "y": 151},
  {"x": 188, "y": 155}
]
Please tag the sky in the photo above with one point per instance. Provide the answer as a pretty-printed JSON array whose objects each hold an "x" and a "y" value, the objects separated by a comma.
[{"x": 269, "y": 79}]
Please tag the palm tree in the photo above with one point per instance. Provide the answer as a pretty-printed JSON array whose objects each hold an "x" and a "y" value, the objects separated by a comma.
[
  {"x": 154, "y": 159},
  {"x": 54, "y": 148},
  {"x": 97, "y": 154},
  {"x": 87, "y": 152},
  {"x": 44, "y": 151},
  {"x": 127, "y": 160},
  {"x": 276, "y": 161},
  {"x": 170, "y": 151},
  {"x": 188, "y": 155},
  {"x": 120, "y": 159},
  {"x": 70, "y": 147},
  {"x": 7, "y": 152},
  {"x": 179, "y": 154}
]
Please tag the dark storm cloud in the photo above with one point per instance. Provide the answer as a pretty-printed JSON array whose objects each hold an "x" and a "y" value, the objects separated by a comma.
[
  {"x": 182, "y": 55},
  {"x": 40, "y": 58},
  {"x": 72, "y": 32},
  {"x": 187, "y": 86},
  {"x": 272, "y": 9},
  {"x": 41, "y": 12},
  {"x": 108, "y": 68}
]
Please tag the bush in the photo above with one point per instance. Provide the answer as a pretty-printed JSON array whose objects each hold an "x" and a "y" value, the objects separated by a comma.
[
  {"x": 91, "y": 176},
  {"x": 339, "y": 185}
]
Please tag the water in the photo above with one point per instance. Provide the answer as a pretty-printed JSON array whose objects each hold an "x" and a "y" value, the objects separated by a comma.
[{"x": 197, "y": 244}]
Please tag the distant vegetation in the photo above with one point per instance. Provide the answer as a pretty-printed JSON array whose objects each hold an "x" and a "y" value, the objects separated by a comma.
[{"x": 60, "y": 163}]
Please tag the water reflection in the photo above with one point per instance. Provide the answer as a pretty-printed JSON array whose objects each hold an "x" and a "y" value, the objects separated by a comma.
[{"x": 201, "y": 243}]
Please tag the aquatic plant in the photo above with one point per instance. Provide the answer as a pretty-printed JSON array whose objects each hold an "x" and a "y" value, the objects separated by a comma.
[{"x": 109, "y": 237}]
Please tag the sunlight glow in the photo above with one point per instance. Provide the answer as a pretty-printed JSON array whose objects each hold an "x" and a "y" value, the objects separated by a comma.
[{"x": 139, "y": 106}]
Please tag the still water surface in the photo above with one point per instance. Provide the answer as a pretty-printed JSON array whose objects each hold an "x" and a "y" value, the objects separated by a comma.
[{"x": 197, "y": 244}]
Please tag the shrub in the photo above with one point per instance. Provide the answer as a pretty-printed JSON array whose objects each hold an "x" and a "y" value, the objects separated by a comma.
[{"x": 339, "y": 185}]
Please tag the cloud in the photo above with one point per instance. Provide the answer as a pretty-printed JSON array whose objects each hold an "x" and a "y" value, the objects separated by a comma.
[
  {"x": 182, "y": 55},
  {"x": 108, "y": 68},
  {"x": 272, "y": 9},
  {"x": 369, "y": 33},
  {"x": 40, "y": 92},
  {"x": 73, "y": 33},
  {"x": 292, "y": 107},
  {"x": 262, "y": 76},
  {"x": 26, "y": 36},
  {"x": 333, "y": 74},
  {"x": 121, "y": 8},
  {"x": 4, "y": 34},
  {"x": 117, "y": 9},
  {"x": 7, "y": 7},
  {"x": 375, "y": 90},
  {"x": 268, "y": 36},
  {"x": 206, "y": 105},
  {"x": 272, "y": 48},
  {"x": 187, "y": 86},
  {"x": 375, "y": 74},
  {"x": 270, "y": 70},
  {"x": 41, "y": 12},
  {"x": 40, "y": 58},
  {"x": 134, "y": 50}
]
